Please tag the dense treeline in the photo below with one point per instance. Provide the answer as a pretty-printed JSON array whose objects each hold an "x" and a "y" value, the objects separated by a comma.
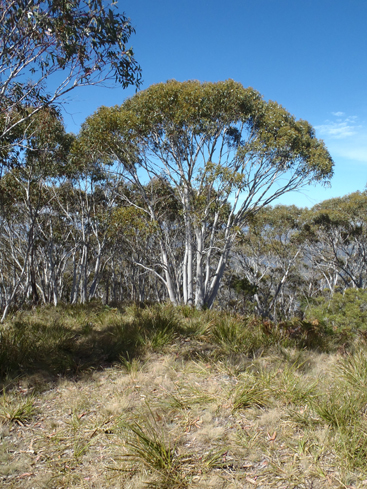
[
  {"x": 76, "y": 237},
  {"x": 287, "y": 257},
  {"x": 168, "y": 197}
]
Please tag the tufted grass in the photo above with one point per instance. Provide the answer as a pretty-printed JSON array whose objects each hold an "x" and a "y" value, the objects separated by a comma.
[{"x": 132, "y": 397}]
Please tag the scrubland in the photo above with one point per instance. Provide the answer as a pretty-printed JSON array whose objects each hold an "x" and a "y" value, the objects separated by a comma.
[{"x": 157, "y": 396}]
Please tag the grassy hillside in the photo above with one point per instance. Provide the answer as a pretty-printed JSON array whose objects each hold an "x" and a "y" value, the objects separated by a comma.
[{"x": 96, "y": 397}]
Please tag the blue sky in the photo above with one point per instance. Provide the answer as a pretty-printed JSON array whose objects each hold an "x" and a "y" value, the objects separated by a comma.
[{"x": 308, "y": 55}]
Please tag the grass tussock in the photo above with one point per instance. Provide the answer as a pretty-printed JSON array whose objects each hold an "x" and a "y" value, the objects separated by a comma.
[
  {"x": 148, "y": 444},
  {"x": 166, "y": 397},
  {"x": 16, "y": 409}
]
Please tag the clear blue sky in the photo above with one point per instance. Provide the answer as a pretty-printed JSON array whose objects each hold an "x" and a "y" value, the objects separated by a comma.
[{"x": 308, "y": 55}]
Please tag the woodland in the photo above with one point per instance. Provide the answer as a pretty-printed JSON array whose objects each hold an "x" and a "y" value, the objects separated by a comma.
[
  {"x": 155, "y": 202},
  {"x": 170, "y": 196},
  {"x": 165, "y": 323}
]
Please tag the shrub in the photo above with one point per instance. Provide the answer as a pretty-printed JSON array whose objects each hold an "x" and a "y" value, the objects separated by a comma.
[{"x": 342, "y": 313}]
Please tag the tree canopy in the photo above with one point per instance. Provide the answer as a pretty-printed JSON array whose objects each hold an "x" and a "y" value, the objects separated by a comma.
[
  {"x": 217, "y": 145},
  {"x": 82, "y": 42}
]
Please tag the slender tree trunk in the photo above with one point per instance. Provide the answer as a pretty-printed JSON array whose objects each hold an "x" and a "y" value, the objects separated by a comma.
[
  {"x": 184, "y": 277},
  {"x": 93, "y": 287},
  {"x": 199, "y": 296},
  {"x": 215, "y": 284},
  {"x": 169, "y": 284}
]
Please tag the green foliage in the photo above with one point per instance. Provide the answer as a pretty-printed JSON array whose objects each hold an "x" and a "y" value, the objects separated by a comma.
[
  {"x": 158, "y": 325},
  {"x": 244, "y": 286},
  {"x": 132, "y": 366},
  {"x": 289, "y": 386},
  {"x": 82, "y": 41},
  {"x": 42, "y": 156},
  {"x": 198, "y": 144},
  {"x": 304, "y": 412},
  {"x": 305, "y": 334},
  {"x": 66, "y": 340},
  {"x": 342, "y": 313},
  {"x": 343, "y": 411},
  {"x": 60, "y": 35},
  {"x": 271, "y": 262},
  {"x": 342, "y": 408},
  {"x": 338, "y": 408},
  {"x": 174, "y": 110},
  {"x": 351, "y": 446},
  {"x": 240, "y": 335},
  {"x": 334, "y": 233},
  {"x": 71, "y": 339},
  {"x": 252, "y": 335},
  {"x": 347, "y": 213}
]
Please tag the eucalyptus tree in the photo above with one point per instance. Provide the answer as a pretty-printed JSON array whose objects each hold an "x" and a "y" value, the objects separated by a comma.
[
  {"x": 267, "y": 262},
  {"x": 44, "y": 156},
  {"x": 335, "y": 235},
  {"x": 91, "y": 212},
  {"x": 64, "y": 44},
  {"x": 138, "y": 239},
  {"x": 224, "y": 152}
]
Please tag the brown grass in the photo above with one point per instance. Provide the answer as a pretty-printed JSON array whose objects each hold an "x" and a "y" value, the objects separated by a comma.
[{"x": 189, "y": 414}]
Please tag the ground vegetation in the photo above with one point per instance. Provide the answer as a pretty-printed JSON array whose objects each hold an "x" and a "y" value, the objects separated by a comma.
[{"x": 173, "y": 397}]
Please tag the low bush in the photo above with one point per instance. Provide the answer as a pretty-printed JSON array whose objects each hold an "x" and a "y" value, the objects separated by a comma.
[{"x": 342, "y": 314}]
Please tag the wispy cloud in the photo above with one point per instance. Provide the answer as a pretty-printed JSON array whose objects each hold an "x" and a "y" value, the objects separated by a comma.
[
  {"x": 340, "y": 128},
  {"x": 345, "y": 137},
  {"x": 337, "y": 130}
]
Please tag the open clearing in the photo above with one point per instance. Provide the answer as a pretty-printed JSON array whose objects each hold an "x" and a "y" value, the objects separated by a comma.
[{"x": 175, "y": 398}]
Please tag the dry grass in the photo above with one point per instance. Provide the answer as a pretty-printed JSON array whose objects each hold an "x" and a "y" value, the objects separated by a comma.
[{"x": 176, "y": 407}]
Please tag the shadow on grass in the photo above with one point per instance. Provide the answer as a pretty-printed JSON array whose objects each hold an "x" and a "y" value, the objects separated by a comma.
[
  {"x": 74, "y": 340},
  {"x": 68, "y": 341}
]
